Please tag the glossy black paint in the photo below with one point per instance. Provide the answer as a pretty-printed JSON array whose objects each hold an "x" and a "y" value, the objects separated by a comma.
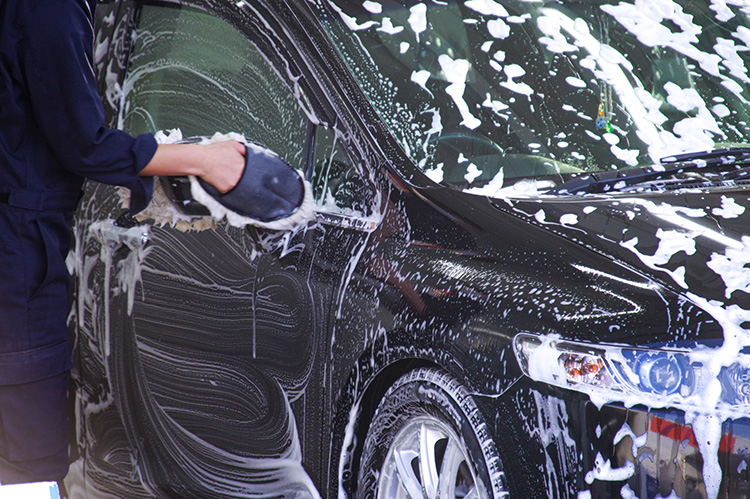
[{"x": 220, "y": 363}]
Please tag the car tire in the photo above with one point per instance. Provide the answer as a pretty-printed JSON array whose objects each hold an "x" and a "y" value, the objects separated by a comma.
[{"x": 428, "y": 439}]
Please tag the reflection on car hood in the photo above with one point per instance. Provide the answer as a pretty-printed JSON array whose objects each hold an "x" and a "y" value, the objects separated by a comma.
[{"x": 696, "y": 243}]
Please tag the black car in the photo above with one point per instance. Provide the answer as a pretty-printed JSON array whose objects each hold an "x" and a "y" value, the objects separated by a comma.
[{"x": 527, "y": 274}]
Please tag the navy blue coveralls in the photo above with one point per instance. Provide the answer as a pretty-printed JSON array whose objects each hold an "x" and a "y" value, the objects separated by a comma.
[{"x": 51, "y": 138}]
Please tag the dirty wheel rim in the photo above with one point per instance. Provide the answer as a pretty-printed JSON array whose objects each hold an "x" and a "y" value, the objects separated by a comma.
[{"x": 427, "y": 459}]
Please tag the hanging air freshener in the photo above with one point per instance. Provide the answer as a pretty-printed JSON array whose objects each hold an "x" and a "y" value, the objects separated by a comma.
[{"x": 604, "y": 113}]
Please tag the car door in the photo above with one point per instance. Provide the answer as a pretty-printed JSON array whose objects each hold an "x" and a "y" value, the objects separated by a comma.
[{"x": 202, "y": 348}]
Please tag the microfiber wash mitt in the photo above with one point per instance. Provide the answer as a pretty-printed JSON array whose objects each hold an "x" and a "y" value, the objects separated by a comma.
[{"x": 270, "y": 194}]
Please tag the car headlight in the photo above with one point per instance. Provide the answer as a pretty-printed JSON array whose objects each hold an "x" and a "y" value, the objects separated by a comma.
[
  {"x": 735, "y": 384},
  {"x": 654, "y": 377}
]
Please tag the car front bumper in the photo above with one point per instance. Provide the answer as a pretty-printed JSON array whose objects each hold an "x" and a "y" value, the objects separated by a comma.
[{"x": 558, "y": 444}]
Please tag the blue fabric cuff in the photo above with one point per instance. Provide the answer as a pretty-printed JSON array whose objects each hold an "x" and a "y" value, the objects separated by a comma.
[{"x": 142, "y": 188}]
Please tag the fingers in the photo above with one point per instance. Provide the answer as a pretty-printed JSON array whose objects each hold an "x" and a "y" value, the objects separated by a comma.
[{"x": 225, "y": 164}]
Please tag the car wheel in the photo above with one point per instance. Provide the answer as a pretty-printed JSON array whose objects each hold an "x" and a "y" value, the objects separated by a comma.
[{"x": 427, "y": 439}]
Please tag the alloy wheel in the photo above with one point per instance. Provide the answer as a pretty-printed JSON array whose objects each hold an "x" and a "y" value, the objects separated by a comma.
[{"x": 427, "y": 459}]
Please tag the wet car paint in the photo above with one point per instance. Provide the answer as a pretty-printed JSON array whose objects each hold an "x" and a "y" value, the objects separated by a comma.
[{"x": 202, "y": 375}]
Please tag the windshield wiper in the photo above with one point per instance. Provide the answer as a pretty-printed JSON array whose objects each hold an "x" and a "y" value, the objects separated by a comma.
[
  {"x": 724, "y": 156},
  {"x": 671, "y": 166}
]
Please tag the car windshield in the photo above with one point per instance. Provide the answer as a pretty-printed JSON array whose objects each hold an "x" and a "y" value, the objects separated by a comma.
[{"x": 482, "y": 93}]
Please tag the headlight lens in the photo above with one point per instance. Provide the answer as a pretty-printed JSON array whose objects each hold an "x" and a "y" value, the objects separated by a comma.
[
  {"x": 656, "y": 377},
  {"x": 665, "y": 373},
  {"x": 735, "y": 384}
]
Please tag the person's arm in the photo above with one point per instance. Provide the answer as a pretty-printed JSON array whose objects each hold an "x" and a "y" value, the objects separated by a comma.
[
  {"x": 220, "y": 164},
  {"x": 55, "y": 55}
]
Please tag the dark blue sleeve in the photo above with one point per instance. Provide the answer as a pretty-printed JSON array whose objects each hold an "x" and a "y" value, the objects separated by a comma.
[{"x": 56, "y": 56}]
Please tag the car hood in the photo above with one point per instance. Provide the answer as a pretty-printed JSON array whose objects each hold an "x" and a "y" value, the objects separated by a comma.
[{"x": 696, "y": 243}]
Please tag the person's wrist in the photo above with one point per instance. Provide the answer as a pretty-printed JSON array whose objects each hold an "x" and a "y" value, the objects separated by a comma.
[{"x": 197, "y": 160}]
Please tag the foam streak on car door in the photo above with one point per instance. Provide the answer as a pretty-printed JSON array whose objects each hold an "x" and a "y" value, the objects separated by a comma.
[
  {"x": 200, "y": 413},
  {"x": 298, "y": 284},
  {"x": 203, "y": 416}
]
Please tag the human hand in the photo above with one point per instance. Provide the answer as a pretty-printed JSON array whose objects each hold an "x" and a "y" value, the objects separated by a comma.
[{"x": 222, "y": 164}]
